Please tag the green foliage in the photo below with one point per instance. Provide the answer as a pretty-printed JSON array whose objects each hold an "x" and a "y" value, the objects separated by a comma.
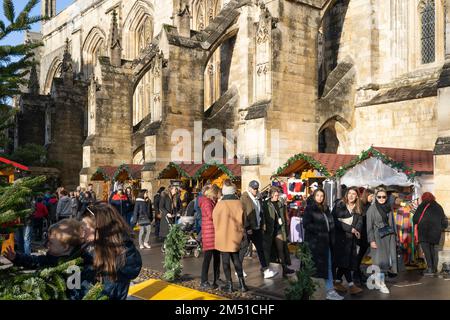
[
  {"x": 175, "y": 250},
  {"x": 47, "y": 284},
  {"x": 221, "y": 166},
  {"x": 372, "y": 152},
  {"x": 15, "y": 61},
  {"x": 15, "y": 201},
  {"x": 177, "y": 167},
  {"x": 303, "y": 287},
  {"x": 301, "y": 156},
  {"x": 30, "y": 154},
  {"x": 95, "y": 293}
]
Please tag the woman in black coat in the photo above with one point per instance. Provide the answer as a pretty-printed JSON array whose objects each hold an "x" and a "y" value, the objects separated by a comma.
[
  {"x": 143, "y": 216},
  {"x": 170, "y": 208},
  {"x": 319, "y": 236},
  {"x": 348, "y": 225},
  {"x": 430, "y": 228}
]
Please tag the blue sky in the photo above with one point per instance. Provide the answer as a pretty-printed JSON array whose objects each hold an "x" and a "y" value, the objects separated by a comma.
[{"x": 18, "y": 37}]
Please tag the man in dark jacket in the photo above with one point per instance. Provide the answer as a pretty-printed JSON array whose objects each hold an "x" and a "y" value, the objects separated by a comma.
[
  {"x": 254, "y": 224},
  {"x": 156, "y": 200},
  {"x": 431, "y": 221},
  {"x": 121, "y": 202},
  {"x": 64, "y": 208}
]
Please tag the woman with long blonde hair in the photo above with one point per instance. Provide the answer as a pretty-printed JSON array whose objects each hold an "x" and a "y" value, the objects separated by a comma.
[{"x": 348, "y": 220}]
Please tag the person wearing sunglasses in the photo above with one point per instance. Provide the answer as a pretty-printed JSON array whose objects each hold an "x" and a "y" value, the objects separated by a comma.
[{"x": 381, "y": 236}]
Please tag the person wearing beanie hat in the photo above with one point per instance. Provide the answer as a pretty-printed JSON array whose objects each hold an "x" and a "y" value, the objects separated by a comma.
[
  {"x": 254, "y": 224},
  {"x": 228, "y": 219}
]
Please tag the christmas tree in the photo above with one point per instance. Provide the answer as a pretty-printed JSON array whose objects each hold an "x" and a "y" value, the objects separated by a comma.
[
  {"x": 174, "y": 252},
  {"x": 16, "y": 60},
  {"x": 15, "y": 203}
]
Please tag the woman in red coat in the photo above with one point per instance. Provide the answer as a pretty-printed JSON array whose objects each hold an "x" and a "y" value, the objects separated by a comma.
[
  {"x": 40, "y": 213},
  {"x": 207, "y": 203}
]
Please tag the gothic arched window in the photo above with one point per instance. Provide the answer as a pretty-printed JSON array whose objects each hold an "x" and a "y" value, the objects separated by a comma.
[
  {"x": 204, "y": 11},
  {"x": 428, "y": 30}
]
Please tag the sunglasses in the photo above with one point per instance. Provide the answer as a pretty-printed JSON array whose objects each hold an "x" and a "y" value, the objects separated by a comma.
[{"x": 381, "y": 197}]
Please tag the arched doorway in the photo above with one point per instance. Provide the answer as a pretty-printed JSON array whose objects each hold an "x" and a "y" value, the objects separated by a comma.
[{"x": 333, "y": 135}]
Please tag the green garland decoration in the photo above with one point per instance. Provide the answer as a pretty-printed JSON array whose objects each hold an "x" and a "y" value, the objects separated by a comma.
[
  {"x": 102, "y": 172},
  {"x": 372, "y": 152},
  {"x": 177, "y": 167},
  {"x": 221, "y": 166},
  {"x": 122, "y": 167},
  {"x": 301, "y": 156},
  {"x": 175, "y": 244}
]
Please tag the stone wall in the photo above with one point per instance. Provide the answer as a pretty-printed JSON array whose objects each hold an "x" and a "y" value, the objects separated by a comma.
[
  {"x": 111, "y": 142},
  {"x": 410, "y": 124},
  {"x": 293, "y": 108},
  {"x": 68, "y": 130},
  {"x": 31, "y": 119}
]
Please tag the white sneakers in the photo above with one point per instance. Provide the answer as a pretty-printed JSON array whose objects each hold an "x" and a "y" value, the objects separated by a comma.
[
  {"x": 145, "y": 246},
  {"x": 245, "y": 275},
  {"x": 269, "y": 274},
  {"x": 333, "y": 295},
  {"x": 384, "y": 288}
]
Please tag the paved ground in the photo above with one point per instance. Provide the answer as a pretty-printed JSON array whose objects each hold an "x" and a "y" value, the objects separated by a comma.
[{"x": 409, "y": 285}]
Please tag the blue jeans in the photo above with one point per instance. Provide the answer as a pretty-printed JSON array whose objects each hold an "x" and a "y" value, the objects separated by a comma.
[
  {"x": 23, "y": 238},
  {"x": 329, "y": 281}
]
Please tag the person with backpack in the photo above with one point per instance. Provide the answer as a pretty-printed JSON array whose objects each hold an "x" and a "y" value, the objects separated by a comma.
[
  {"x": 430, "y": 221},
  {"x": 64, "y": 207}
]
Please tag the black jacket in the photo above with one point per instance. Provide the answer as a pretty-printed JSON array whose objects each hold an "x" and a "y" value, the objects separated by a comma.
[
  {"x": 319, "y": 238},
  {"x": 156, "y": 200},
  {"x": 118, "y": 289},
  {"x": 345, "y": 240},
  {"x": 432, "y": 224},
  {"x": 167, "y": 207},
  {"x": 143, "y": 214}
]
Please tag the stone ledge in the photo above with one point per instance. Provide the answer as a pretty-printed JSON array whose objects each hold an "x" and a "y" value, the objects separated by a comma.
[
  {"x": 149, "y": 166},
  {"x": 444, "y": 78},
  {"x": 258, "y": 110},
  {"x": 403, "y": 93},
  {"x": 442, "y": 146}
]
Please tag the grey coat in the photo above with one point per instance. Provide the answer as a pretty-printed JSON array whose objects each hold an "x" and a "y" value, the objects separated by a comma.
[{"x": 386, "y": 255}]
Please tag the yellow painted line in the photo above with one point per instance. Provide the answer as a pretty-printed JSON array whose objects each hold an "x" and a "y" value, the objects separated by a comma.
[{"x": 154, "y": 289}]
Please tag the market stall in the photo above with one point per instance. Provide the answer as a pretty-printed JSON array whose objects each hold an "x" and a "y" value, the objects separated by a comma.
[
  {"x": 406, "y": 172},
  {"x": 216, "y": 172},
  {"x": 305, "y": 169},
  {"x": 107, "y": 179},
  {"x": 102, "y": 181},
  {"x": 182, "y": 172},
  {"x": 299, "y": 173}
]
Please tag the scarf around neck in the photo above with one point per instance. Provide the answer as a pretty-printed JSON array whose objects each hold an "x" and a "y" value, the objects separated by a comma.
[{"x": 383, "y": 208}]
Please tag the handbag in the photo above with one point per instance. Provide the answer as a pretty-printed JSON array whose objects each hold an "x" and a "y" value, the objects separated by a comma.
[
  {"x": 386, "y": 231},
  {"x": 416, "y": 229}
]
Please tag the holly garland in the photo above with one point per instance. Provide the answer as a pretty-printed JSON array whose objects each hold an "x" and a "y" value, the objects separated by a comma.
[
  {"x": 220, "y": 166},
  {"x": 372, "y": 152},
  {"x": 120, "y": 169},
  {"x": 301, "y": 156},
  {"x": 180, "y": 170},
  {"x": 100, "y": 172}
]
